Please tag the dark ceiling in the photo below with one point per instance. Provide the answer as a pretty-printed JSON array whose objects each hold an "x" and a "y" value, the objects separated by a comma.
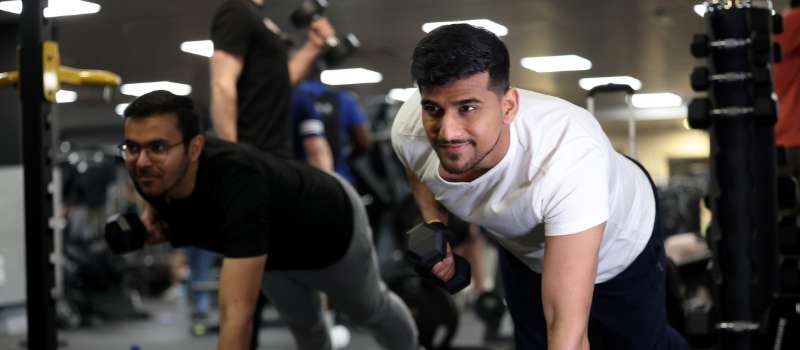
[{"x": 647, "y": 39}]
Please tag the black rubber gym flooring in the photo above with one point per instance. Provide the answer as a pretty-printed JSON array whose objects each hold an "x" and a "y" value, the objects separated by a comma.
[{"x": 168, "y": 328}]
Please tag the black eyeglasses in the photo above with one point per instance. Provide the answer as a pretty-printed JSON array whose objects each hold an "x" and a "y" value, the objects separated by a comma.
[{"x": 156, "y": 150}]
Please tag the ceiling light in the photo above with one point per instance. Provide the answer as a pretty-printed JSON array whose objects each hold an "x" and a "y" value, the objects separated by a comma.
[
  {"x": 11, "y": 6},
  {"x": 561, "y": 63},
  {"x": 401, "y": 94},
  {"x": 700, "y": 9},
  {"x": 120, "y": 109},
  {"x": 494, "y": 27},
  {"x": 198, "y": 47},
  {"x": 350, "y": 76},
  {"x": 589, "y": 83},
  {"x": 66, "y": 96},
  {"x": 139, "y": 89},
  {"x": 55, "y": 8},
  {"x": 656, "y": 100}
]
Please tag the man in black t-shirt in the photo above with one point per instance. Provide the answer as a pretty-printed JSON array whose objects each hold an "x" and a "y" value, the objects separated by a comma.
[
  {"x": 282, "y": 226},
  {"x": 252, "y": 76}
]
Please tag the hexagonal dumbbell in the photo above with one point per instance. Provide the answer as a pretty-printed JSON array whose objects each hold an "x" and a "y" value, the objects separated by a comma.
[
  {"x": 125, "y": 233},
  {"x": 700, "y": 45},
  {"x": 427, "y": 245},
  {"x": 699, "y": 113}
]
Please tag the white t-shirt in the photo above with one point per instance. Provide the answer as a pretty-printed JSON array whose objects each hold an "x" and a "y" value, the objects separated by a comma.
[{"x": 560, "y": 170}]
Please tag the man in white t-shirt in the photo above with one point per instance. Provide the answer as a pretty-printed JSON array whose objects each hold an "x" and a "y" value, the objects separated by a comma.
[{"x": 577, "y": 221}]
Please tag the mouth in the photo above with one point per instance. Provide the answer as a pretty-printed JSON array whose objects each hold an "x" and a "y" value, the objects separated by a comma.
[{"x": 452, "y": 148}]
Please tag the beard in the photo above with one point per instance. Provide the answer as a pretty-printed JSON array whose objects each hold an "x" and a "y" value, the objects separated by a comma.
[{"x": 157, "y": 177}]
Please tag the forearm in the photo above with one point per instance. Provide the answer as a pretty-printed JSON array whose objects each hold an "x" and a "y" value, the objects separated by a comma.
[
  {"x": 223, "y": 112},
  {"x": 234, "y": 333},
  {"x": 429, "y": 207},
  {"x": 301, "y": 62},
  {"x": 321, "y": 161},
  {"x": 566, "y": 336}
]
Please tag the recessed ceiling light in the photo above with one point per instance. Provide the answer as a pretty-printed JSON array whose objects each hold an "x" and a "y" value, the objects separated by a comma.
[
  {"x": 561, "y": 63},
  {"x": 120, "y": 108},
  {"x": 656, "y": 100},
  {"x": 198, "y": 47},
  {"x": 350, "y": 76},
  {"x": 139, "y": 89},
  {"x": 589, "y": 83},
  {"x": 700, "y": 9},
  {"x": 55, "y": 8},
  {"x": 401, "y": 94},
  {"x": 494, "y": 27}
]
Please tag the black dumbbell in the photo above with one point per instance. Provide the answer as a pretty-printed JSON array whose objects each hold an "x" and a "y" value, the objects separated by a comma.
[
  {"x": 764, "y": 108},
  {"x": 125, "y": 233},
  {"x": 338, "y": 48},
  {"x": 700, "y": 45},
  {"x": 777, "y": 53},
  {"x": 700, "y": 113},
  {"x": 341, "y": 50},
  {"x": 777, "y": 24},
  {"x": 427, "y": 245},
  {"x": 308, "y": 11},
  {"x": 490, "y": 308}
]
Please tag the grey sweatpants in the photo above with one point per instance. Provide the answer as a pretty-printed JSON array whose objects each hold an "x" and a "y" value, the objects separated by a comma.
[{"x": 353, "y": 284}]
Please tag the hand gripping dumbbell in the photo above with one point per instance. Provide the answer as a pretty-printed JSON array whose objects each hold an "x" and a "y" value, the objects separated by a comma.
[
  {"x": 427, "y": 245},
  {"x": 338, "y": 49},
  {"x": 125, "y": 233}
]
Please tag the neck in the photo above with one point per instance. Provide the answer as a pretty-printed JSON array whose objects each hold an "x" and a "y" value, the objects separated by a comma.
[{"x": 185, "y": 185}]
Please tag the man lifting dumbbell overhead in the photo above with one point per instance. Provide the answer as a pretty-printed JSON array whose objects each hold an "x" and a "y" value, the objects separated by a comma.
[
  {"x": 281, "y": 226},
  {"x": 513, "y": 160}
]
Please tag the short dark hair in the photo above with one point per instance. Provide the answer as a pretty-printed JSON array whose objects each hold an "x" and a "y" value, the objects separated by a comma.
[
  {"x": 162, "y": 102},
  {"x": 458, "y": 51}
]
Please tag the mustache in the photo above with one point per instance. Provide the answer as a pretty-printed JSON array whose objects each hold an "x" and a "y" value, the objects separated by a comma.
[
  {"x": 149, "y": 172},
  {"x": 440, "y": 142}
]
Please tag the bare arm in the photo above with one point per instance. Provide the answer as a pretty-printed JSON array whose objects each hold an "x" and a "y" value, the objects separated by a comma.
[
  {"x": 361, "y": 139},
  {"x": 570, "y": 267},
  {"x": 430, "y": 208},
  {"x": 239, "y": 285},
  {"x": 300, "y": 63},
  {"x": 225, "y": 71},
  {"x": 156, "y": 229},
  {"x": 318, "y": 152}
]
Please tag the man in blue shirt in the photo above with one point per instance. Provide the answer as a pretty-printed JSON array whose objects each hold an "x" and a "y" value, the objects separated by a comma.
[{"x": 329, "y": 126}]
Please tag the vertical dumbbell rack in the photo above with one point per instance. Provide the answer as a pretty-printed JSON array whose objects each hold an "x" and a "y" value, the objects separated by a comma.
[
  {"x": 37, "y": 175},
  {"x": 739, "y": 113}
]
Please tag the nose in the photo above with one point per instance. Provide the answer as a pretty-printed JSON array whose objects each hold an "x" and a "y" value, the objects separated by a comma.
[
  {"x": 142, "y": 160},
  {"x": 450, "y": 127}
]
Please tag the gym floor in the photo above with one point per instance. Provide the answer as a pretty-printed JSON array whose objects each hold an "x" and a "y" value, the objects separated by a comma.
[{"x": 168, "y": 328}]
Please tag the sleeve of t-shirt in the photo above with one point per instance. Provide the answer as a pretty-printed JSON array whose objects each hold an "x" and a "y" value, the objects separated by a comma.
[
  {"x": 230, "y": 29},
  {"x": 578, "y": 195},
  {"x": 245, "y": 227},
  {"x": 351, "y": 110},
  {"x": 309, "y": 122}
]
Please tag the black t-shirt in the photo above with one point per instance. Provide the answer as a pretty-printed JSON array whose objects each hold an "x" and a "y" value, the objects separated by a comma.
[
  {"x": 263, "y": 89},
  {"x": 248, "y": 203}
]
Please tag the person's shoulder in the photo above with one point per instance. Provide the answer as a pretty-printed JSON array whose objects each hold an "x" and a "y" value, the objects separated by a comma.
[
  {"x": 227, "y": 158},
  {"x": 230, "y": 9},
  {"x": 407, "y": 121}
]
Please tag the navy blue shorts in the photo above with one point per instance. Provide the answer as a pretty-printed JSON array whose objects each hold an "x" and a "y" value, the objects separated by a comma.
[{"x": 628, "y": 311}]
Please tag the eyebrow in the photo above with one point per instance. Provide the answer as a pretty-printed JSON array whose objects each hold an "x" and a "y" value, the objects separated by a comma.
[{"x": 465, "y": 101}]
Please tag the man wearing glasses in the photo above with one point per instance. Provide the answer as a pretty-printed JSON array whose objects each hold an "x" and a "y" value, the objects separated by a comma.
[{"x": 281, "y": 226}]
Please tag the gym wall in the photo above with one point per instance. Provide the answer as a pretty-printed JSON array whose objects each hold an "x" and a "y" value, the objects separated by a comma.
[{"x": 657, "y": 142}]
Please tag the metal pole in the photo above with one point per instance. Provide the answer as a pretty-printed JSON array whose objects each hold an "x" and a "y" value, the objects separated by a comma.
[{"x": 36, "y": 163}]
